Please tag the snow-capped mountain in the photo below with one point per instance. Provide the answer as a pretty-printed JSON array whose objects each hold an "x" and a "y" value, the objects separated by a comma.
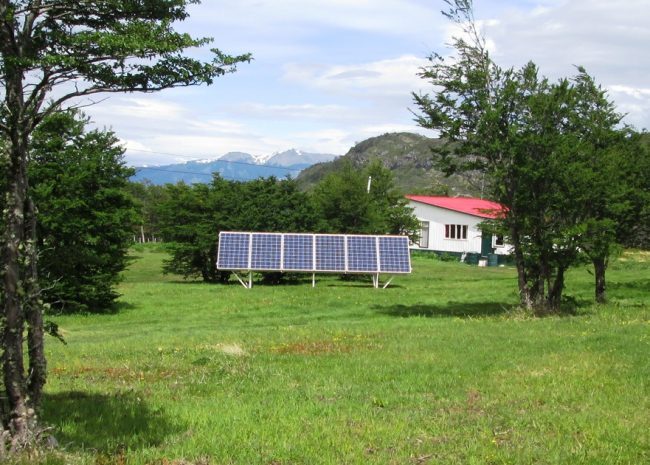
[
  {"x": 240, "y": 157},
  {"x": 239, "y": 166},
  {"x": 296, "y": 158}
]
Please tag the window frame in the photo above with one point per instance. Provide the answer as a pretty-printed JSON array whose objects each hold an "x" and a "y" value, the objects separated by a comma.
[
  {"x": 456, "y": 232},
  {"x": 423, "y": 240}
]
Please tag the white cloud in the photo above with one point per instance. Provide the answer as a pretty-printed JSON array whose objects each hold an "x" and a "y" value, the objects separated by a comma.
[
  {"x": 216, "y": 127},
  {"x": 329, "y": 74},
  {"x": 637, "y": 93},
  {"x": 303, "y": 17},
  {"x": 293, "y": 111},
  {"x": 379, "y": 129},
  {"x": 394, "y": 76},
  {"x": 139, "y": 107},
  {"x": 327, "y": 140},
  {"x": 609, "y": 38},
  {"x": 634, "y": 103}
]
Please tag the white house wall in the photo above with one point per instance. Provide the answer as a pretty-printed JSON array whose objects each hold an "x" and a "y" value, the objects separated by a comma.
[{"x": 438, "y": 218}]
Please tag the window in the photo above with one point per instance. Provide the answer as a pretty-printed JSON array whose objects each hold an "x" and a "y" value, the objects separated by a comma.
[
  {"x": 498, "y": 241},
  {"x": 424, "y": 235},
  {"x": 455, "y": 231}
]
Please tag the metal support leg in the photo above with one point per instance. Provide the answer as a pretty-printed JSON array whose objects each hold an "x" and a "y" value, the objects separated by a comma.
[
  {"x": 240, "y": 280},
  {"x": 313, "y": 280},
  {"x": 250, "y": 280}
]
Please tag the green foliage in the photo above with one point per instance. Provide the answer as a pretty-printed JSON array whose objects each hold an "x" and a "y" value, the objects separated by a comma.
[
  {"x": 147, "y": 196},
  {"x": 78, "y": 180},
  {"x": 113, "y": 45},
  {"x": 191, "y": 217},
  {"x": 633, "y": 176},
  {"x": 343, "y": 202},
  {"x": 345, "y": 205},
  {"x": 552, "y": 154},
  {"x": 50, "y": 53}
]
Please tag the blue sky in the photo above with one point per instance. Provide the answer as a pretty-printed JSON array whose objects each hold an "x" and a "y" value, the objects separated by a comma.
[{"x": 328, "y": 74}]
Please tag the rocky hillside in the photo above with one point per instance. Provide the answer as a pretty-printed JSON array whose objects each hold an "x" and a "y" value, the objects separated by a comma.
[{"x": 408, "y": 156}]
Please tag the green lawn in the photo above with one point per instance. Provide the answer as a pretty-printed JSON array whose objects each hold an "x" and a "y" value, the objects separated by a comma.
[{"x": 438, "y": 368}]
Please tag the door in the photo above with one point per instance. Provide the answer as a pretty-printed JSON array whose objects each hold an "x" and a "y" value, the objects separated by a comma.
[{"x": 486, "y": 244}]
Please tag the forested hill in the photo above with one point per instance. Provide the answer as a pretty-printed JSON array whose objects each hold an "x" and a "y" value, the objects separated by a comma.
[{"x": 410, "y": 158}]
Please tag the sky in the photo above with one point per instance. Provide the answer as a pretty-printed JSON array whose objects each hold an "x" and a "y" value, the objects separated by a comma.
[{"x": 328, "y": 74}]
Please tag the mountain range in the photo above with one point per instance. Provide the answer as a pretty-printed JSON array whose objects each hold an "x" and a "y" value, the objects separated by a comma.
[
  {"x": 410, "y": 157},
  {"x": 238, "y": 166}
]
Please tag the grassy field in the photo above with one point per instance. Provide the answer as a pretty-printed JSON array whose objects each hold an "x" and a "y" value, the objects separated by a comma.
[{"x": 439, "y": 368}]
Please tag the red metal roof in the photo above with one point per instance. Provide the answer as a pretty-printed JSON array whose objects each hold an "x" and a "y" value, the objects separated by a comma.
[{"x": 470, "y": 205}]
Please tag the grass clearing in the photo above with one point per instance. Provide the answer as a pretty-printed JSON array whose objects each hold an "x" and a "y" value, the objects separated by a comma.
[{"x": 437, "y": 368}]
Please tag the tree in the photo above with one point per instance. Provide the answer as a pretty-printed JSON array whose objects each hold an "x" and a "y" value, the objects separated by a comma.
[
  {"x": 343, "y": 203},
  {"x": 634, "y": 229},
  {"x": 147, "y": 197},
  {"x": 363, "y": 201},
  {"x": 51, "y": 52},
  {"x": 78, "y": 180},
  {"x": 192, "y": 217},
  {"x": 614, "y": 200},
  {"x": 536, "y": 142},
  {"x": 392, "y": 213}
]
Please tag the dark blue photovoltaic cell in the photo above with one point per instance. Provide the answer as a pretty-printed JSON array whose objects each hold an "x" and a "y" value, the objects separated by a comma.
[
  {"x": 330, "y": 253},
  {"x": 233, "y": 251},
  {"x": 266, "y": 253},
  {"x": 298, "y": 252},
  {"x": 394, "y": 255},
  {"x": 362, "y": 253},
  {"x": 295, "y": 252}
]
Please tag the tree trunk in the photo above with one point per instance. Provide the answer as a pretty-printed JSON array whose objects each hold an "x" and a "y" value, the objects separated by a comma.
[
  {"x": 600, "y": 267},
  {"x": 34, "y": 309},
  {"x": 525, "y": 298},
  {"x": 555, "y": 290},
  {"x": 12, "y": 331},
  {"x": 20, "y": 417}
]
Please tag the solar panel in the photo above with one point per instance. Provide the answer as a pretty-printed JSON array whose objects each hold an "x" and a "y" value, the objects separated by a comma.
[
  {"x": 233, "y": 251},
  {"x": 330, "y": 253},
  {"x": 298, "y": 252},
  {"x": 266, "y": 252},
  {"x": 362, "y": 254},
  {"x": 394, "y": 255}
]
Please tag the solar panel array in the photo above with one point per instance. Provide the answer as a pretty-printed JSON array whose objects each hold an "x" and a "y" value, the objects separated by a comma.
[{"x": 334, "y": 253}]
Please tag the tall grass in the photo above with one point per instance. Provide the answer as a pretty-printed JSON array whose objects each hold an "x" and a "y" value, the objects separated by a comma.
[{"x": 438, "y": 368}]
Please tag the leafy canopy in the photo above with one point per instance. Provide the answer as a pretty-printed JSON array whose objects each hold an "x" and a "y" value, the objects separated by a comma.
[
  {"x": 548, "y": 150},
  {"x": 73, "y": 48},
  {"x": 78, "y": 180}
]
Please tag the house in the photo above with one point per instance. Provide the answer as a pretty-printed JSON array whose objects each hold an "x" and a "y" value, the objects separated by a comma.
[{"x": 450, "y": 225}]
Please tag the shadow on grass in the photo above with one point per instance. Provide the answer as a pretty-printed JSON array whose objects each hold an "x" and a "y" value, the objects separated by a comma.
[
  {"x": 113, "y": 309},
  {"x": 122, "y": 306},
  {"x": 104, "y": 423},
  {"x": 194, "y": 282},
  {"x": 637, "y": 285},
  {"x": 451, "y": 309}
]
